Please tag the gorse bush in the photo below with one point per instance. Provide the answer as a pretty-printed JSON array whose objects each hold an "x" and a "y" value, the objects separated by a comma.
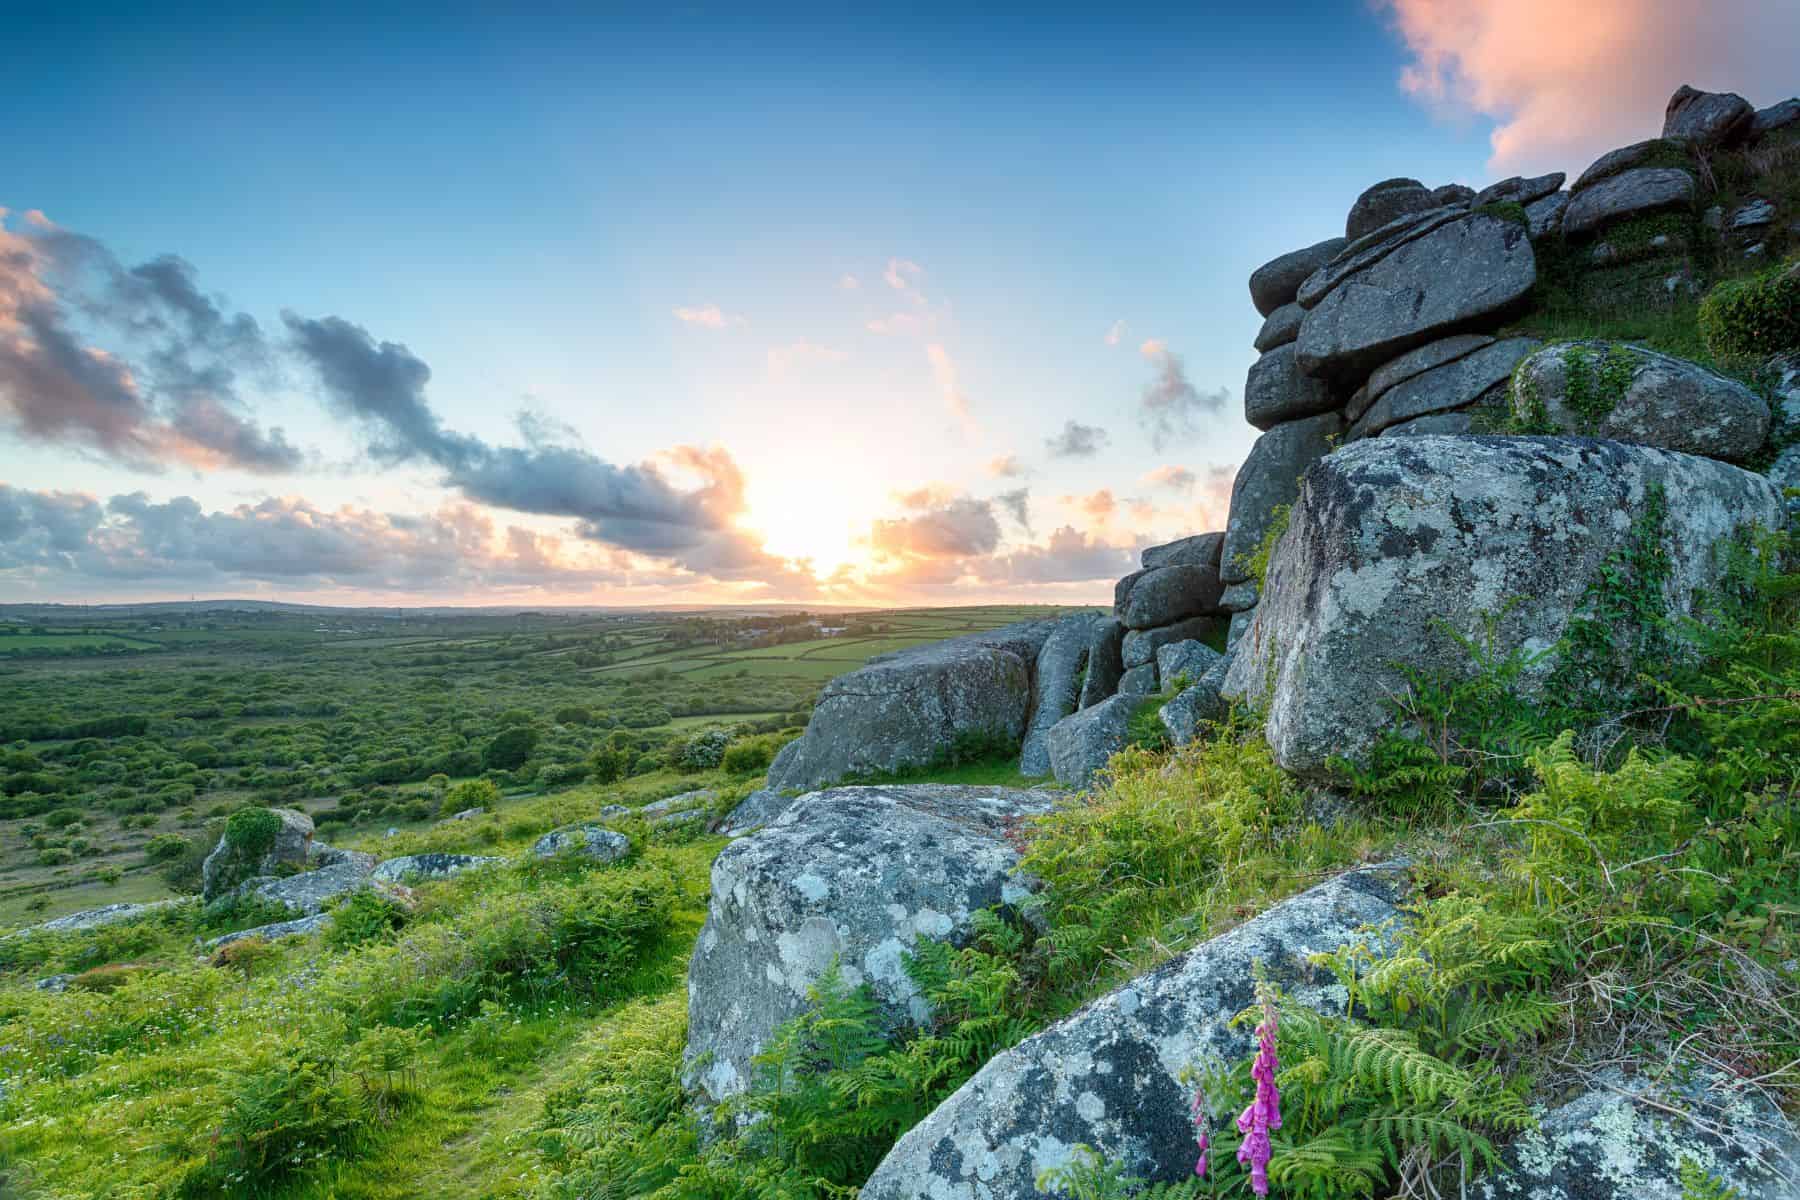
[
  {"x": 1756, "y": 315},
  {"x": 251, "y": 832}
]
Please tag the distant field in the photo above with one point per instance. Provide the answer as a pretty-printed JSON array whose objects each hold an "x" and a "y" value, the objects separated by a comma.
[{"x": 350, "y": 716}]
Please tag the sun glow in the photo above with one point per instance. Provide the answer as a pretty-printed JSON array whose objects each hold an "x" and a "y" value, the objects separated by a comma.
[{"x": 804, "y": 521}]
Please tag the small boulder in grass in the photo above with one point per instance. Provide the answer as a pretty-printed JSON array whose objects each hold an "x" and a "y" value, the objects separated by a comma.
[{"x": 597, "y": 842}]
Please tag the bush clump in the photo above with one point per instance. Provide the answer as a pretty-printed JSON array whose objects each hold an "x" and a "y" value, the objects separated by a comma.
[
  {"x": 250, "y": 832},
  {"x": 1756, "y": 315}
]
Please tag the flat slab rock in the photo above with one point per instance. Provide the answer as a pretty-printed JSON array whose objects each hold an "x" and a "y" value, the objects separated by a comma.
[
  {"x": 97, "y": 918},
  {"x": 1623, "y": 1140},
  {"x": 850, "y": 875},
  {"x": 1394, "y": 538},
  {"x": 1470, "y": 271},
  {"x": 905, "y": 709},
  {"x": 415, "y": 867},
  {"x": 1109, "y": 1076}
]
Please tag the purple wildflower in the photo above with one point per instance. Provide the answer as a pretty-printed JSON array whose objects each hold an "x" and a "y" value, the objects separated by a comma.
[
  {"x": 1264, "y": 1112},
  {"x": 1202, "y": 1135}
]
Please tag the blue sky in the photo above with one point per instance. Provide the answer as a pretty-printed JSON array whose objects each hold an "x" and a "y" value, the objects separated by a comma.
[{"x": 900, "y": 242}]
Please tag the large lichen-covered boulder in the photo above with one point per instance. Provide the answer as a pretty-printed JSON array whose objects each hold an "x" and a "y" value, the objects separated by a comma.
[
  {"x": 256, "y": 841},
  {"x": 1396, "y": 538},
  {"x": 1056, "y": 687},
  {"x": 1081, "y": 744},
  {"x": 908, "y": 709},
  {"x": 1110, "y": 1077},
  {"x": 1639, "y": 192},
  {"x": 416, "y": 868},
  {"x": 1269, "y": 478},
  {"x": 310, "y": 891},
  {"x": 1629, "y": 1138},
  {"x": 1465, "y": 274},
  {"x": 1168, "y": 594},
  {"x": 1631, "y": 394},
  {"x": 591, "y": 840},
  {"x": 1276, "y": 391},
  {"x": 1274, "y": 283},
  {"x": 852, "y": 876}
]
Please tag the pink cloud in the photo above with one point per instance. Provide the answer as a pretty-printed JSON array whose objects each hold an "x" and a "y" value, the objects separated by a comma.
[
  {"x": 1565, "y": 82},
  {"x": 709, "y": 315}
]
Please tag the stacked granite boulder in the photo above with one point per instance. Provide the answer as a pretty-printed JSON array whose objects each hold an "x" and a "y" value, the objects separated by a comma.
[
  {"x": 1168, "y": 622},
  {"x": 1398, "y": 327}
]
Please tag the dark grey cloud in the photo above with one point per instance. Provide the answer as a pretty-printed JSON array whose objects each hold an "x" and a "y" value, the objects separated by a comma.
[
  {"x": 174, "y": 546},
  {"x": 133, "y": 364},
  {"x": 1077, "y": 441},
  {"x": 1172, "y": 408},
  {"x": 640, "y": 507},
  {"x": 1017, "y": 505}
]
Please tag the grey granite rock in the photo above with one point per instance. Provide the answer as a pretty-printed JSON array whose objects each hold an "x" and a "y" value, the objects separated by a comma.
[
  {"x": 1080, "y": 745},
  {"x": 1279, "y": 328},
  {"x": 1519, "y": 190},
  {"x": 1269, "y": 478},
  {"x": 1639, "y": 192},
  {"x": 1110, "y": 1076},
  {"x": 1141, "y": 645},
  {"x": 1276, "y": 391},
  {"x": 1456, "y": 384},
  {"x": 1463, "y": 276},
  {"x": 1105, "y": 661},
  {"x": 1200, "y": 549},
  {"x": 1273, "y": 284},
  {"x": 1707, "y": 118},
  {"x": 1384, "y": 202},
  {"x": 1166, "y": 595},
  {"x": 853, "y": 876},
  {"x": 1057, "y": 681},
  {"x": 906, "y": 709},
  {"x": 1661, "y": 400},
  {"x": 1397, "y": 544},
  {"x": 410, "y": 868}
]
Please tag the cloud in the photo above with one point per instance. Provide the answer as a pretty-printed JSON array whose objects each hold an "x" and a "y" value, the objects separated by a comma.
[
  {"x": 801, "y": 355},
  {"x": 1077, "y": 441},
  {"x": 1017, "y": 505},
  {"x": 1097, "y": 506},
  {"x": 1070, "y": 556},
  {"x": 641, "y": 508},
  {"x": 959, "y": 528},
  {"x": 62, "y": 537},
  {"x": 709, "y": 315},
  {"x": 944, "y": 369},
  {"x": 1114, "y": 334},
  {"x": 1604, "y": 77},
  {"x": 848, "y": 282},
  {"x": 903, "y": 275},
  {"x": 1006, "y": 466},
  {"x": 1178, "y": 479},
  {"x": 1171, "y": 407},
  {"x": 903, "y": 324},
  {"x": 164, "y": 393}
]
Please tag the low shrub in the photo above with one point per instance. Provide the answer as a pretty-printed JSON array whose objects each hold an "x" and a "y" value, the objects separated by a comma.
[{"x": 1753, "y": 316}]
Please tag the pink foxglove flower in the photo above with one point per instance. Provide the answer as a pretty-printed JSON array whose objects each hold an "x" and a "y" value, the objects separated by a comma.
[
  {"x": 1264, "y": 1112},
  {"x": 1202, "y": 1136}
]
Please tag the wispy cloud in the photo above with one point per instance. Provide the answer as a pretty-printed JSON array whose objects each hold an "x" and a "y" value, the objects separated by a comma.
[
  {"x": 1171, "y": 408},
  {"x": 1178, "y": 479},
  {"x": 1601, "y": 80},
  {"x": 710, "y": 316},
  {"x": 1116, "y": 333},
  {"x": 1006, "y": 466},
  {"x": 800, "y": 355},
  {"x": 1076, "y": 440},
  {"x": 943, "y": 368}
]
